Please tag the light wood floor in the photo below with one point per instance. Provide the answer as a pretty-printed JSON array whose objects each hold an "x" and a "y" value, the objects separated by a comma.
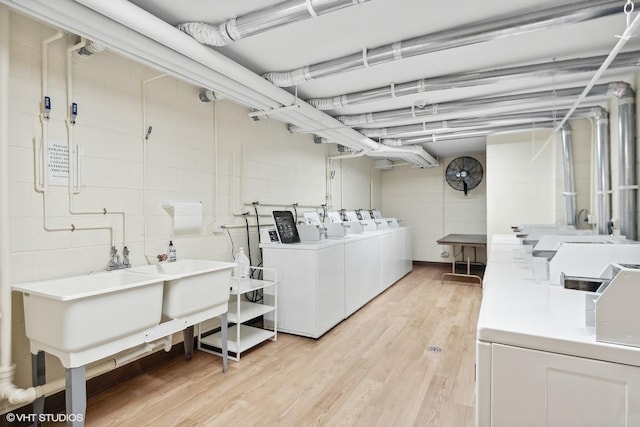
[{"x": 374, "y": 369}]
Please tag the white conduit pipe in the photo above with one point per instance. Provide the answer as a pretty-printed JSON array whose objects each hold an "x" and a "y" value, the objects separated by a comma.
[
  {"x": 243, "y": 189},
  {"x": 41, "y": 170},
  {"x": 156, "y": 29},
  {"x": 43, "y": 151},
  {"x": 547, "y": 69},
  {"x": 569, "y": 193},
  {"x": 627, "y": 181},
  {"x": 216, "y": 176},
  {"x": 142, "y": 22},
  {"x": 603, "y": 170},
  {"x": 467, "y": 133},
  {"x": 82, "y": 20},
  {"x": 73, "y": 185},
  {"x": 522, "y": 22},
  {"x": 328, "y": 174},
  {"x": 474, "y": 106},
  {"x": 451, "y": 125},
  {"x": 262, "y": 20},
  {"x": 146, "y": 133},
  {"x": 628, "y": 33},
  {"x": 486, "y": 125},
  {"x": 7, "y": 389},
  {"x": 129, "y": 30}
]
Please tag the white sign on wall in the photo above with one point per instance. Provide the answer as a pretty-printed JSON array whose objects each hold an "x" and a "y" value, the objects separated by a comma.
[{"x": 58, "y": 164}]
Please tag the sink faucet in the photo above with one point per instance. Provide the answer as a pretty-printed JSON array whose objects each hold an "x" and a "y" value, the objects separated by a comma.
[
  {"x": 114, "y": 261},
  {"x": 125, "y": 258}
]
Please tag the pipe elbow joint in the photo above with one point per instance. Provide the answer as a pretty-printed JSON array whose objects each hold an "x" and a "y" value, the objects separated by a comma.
[
  {"x": 18, "y": 396},
  {"x": 621, "y": 89},
  {"x": 599, "y": 113}
]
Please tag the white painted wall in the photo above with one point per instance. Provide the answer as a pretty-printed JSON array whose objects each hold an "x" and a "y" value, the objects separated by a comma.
[
  {"x": 191, "y": 144},
  {"x": 423, "y": 200},
  {"x": 519, "y": 191},
  {"x": 525, "y": 177}
]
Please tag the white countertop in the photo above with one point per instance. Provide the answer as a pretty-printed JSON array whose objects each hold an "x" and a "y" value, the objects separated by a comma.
[{"x": 518, "y": 311}]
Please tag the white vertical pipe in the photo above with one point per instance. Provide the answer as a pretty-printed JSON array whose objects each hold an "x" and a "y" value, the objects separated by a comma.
[
  {"x": 330, "y": 160},
  {"x": 216, "y": 176},
  {"x": 71, "y": 158},
  {"x": 5, "y": 276},
  {"x": 603, "y": 172},
  {"x": 145, "y": 135},
  {"x": 8, "y": 390},
  {"x": 569, "y": 175},
  {"x": 627, "y": 181},
  {"x": 628, "y": 34},
  {"x": 43, "y": 152}
]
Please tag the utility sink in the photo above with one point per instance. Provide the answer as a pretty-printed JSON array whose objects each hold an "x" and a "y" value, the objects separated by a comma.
[
  {"x": 75, "y": 313},
  {"x": 191, "y": 285}
]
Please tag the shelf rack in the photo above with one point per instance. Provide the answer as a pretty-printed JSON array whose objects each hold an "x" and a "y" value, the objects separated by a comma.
[{"x": 241, "y": 336}]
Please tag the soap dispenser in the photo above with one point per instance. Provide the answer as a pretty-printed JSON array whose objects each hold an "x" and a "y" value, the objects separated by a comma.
[{"x": 172, "y": 252}]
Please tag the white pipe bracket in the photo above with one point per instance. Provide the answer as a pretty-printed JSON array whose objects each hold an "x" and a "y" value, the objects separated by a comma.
[
  {"x": 310, "y": 9},
  {"x": 364, "y": 58}
]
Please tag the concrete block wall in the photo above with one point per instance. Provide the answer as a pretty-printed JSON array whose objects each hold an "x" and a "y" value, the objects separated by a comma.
[
  {"x": 209, "y": 152},
  {"x": 526, "y": 191},
  {"x": 423, "y": 200}
]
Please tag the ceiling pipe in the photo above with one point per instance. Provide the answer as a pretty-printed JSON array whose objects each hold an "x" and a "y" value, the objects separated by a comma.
[
  {"x": 627, "y": 184},
  {"x": 629, "y": 32},
  {"x": 603, "y": 170},
  {"x": 262, "y": 20},
  {"x": 90, "y": 48},
  {"x": 521, "y": 22},
  {"x": 569, "y": 193},
  {"x": 141, "y": 21},
  {"x": 431, "y": 112},
  {"x": 179, "y": 53},
  {"x": 449, "y": 125},
  {"x": 162, "y": 46},
  {"x": 476, "y": 78},
  {"x": 414, "y": 154},
  {"x": 488, "y": 125}
]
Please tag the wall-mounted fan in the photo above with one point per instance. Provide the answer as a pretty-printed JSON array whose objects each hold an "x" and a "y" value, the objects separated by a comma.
[{"x": 464, "y": 174}]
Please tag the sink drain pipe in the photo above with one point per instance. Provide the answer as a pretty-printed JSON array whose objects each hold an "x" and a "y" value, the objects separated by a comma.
[{"x": 8, "y": 389}]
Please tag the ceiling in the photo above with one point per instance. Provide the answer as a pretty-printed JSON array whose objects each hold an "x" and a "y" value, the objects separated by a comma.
[{"x": 375, "y": 23}]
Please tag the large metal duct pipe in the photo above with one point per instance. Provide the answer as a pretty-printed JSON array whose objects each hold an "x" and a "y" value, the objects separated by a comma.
[
  {"x": 603, "y": 170},
  {"x": 627, "y": 185},
  {"x": 262, "y": 20},
  {"x": 444, "y": 126},
  {"x": 467, "y": 133},
  {"x": 475, "y": 78},
  {"x": 431, "y": 112},
  {"x": 487, "y": 125},
  {"x": 522, "y": 22}
]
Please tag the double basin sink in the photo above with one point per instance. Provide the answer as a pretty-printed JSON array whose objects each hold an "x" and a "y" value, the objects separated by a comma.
[{"x": 76, "y": 313}]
